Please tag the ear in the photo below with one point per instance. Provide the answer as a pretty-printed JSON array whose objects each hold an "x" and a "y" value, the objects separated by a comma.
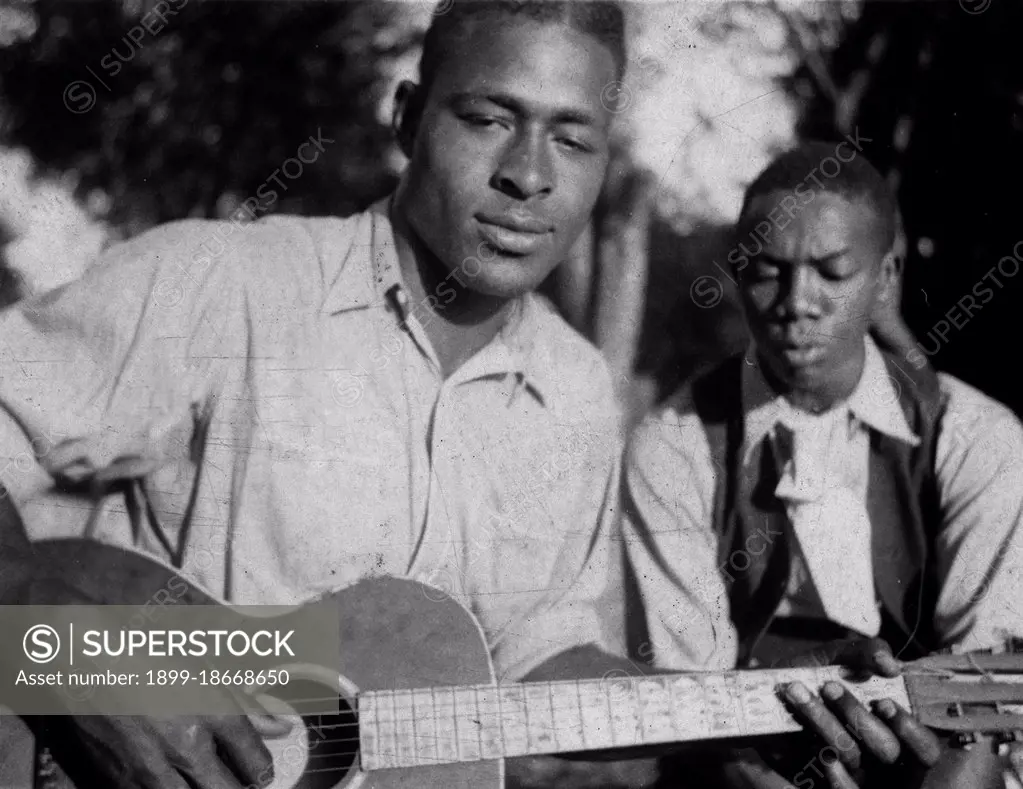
[
  {"x": 408, "y": 110},
  {"x": 890, "y": 276}
]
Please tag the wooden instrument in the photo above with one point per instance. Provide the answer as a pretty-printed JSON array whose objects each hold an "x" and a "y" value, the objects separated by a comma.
[{"x": 420, "y": 705}]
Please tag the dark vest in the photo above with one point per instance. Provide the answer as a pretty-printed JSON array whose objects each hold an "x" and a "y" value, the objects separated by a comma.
[{"x": 755, "y": 539}]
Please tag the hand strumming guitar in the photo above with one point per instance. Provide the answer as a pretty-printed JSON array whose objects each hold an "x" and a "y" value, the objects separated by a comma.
[
  {"x": 179, "y": 752},
  {"x": 139, "y": 752}
]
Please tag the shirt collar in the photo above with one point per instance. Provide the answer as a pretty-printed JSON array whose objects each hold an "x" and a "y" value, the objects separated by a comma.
[
  {"x": 363, "y": 280},
  {"x": 374, "y": 280},
  {"x": 874, "y": 402}
]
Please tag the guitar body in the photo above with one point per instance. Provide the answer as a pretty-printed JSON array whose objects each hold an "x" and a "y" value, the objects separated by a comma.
[
  {"x": 395, "y": 634},
  {"x": 398, "y": 634}
]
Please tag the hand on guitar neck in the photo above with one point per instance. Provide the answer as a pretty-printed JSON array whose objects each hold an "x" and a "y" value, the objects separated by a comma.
[
  {"x": 852, "y": 746},
  {"x": 889, "y": 739}
]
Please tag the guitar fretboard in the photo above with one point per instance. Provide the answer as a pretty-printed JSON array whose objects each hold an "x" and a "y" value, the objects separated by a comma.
[{"x": 413, "y": 728}]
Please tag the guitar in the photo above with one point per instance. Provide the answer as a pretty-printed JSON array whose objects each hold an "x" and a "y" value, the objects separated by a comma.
[{"x": 419, "y": 705}]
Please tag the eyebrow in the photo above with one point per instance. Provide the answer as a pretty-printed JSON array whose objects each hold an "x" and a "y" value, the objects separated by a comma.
[
  {"x": 831, "y": 256},
  {"x": 566, "y": 115},
  {"x": 817, "y": 261}
]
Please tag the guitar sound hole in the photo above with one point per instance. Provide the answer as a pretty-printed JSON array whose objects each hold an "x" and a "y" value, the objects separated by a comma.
[{"x": 332, "y": 738}]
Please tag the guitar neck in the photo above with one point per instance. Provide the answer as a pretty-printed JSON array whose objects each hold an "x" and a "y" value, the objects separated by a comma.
[{"x": 413, "y": 728}]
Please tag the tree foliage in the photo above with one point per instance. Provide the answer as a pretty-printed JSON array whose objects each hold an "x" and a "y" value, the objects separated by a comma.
[
  {"x": 938, "y": 87},
  {"x": 196, "y": 107}
]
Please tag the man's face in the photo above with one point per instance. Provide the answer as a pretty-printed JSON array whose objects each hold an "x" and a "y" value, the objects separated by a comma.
[
  {"x": 510, "y": 152},
  {"x": 809, "y": 294}
]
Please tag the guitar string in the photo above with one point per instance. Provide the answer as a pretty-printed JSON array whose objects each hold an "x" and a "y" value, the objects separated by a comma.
[
  {"x": 919, "y": 670},
  {"x": 572, "y": 704},
  {"x": 497, "y": 714},
  {"x": 529, "y": 749},
  {"x": 641, "y": 739},
  {"x": 455, "y": 739},
  {"x": 501, "y": 718},
  {"x": 986, "y": 674}
]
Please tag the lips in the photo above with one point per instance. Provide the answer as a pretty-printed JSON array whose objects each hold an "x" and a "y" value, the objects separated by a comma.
[
  {"x": 792, "y": 337},
  {"x": 518, "y": 234},
  {"x": 802, "y": 354},
  {"x": 518, "y": 222},
  {"x": 797, "y": 346}
]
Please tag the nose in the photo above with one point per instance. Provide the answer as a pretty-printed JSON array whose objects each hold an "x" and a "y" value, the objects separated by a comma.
[
  {"x": 801, "y": 298},
  {"x": 525, "y": 169}
]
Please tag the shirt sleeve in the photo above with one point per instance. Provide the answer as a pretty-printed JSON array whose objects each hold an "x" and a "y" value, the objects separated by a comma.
[
  {"x": 104, "y": 378},
  {"x": 669, "y": 480},
  {"x": 980, "y": 547}
]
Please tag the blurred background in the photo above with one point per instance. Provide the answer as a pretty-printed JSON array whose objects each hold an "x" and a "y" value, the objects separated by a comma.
[{"x": 114, "y": 118}]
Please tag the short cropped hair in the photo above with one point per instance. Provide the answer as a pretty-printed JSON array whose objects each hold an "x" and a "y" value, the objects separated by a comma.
[
  {"x": 601, "y": 19},
  {"x": 856, "y": 180}
]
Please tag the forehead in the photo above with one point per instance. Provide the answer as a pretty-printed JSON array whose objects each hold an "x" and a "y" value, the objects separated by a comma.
[
  {"x": 826, "y": 224},
  {"x": 548, "y": 65}
]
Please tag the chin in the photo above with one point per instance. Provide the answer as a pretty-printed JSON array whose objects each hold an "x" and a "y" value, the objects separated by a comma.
[
  {"x": 796, "y": 374},
  {"x": 509, "y": 278}
]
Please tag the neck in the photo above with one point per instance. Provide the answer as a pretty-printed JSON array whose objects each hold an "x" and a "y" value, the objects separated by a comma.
[
  {"x": 816, "y": 397},
  {"x": 458, "y": 325},
  {"x": 428, "y": 726}
]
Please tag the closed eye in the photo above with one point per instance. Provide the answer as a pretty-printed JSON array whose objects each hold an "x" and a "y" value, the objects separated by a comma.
[
  {"x": 483, "y": 121},
  {"x": 765, "y": 270},
  {"x": 575, "y": 145}
]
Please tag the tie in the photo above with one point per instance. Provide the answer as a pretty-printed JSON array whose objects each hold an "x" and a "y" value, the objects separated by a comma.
[{"x": 823, "y": 489}]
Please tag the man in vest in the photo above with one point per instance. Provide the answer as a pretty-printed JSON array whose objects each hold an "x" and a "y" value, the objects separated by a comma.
[{"x": 818, "y": 489}]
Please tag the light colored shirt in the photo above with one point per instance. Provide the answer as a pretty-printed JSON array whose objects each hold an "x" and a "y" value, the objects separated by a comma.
[
  {"x": 823, "y": 462},
  {"x": 672, "y": 545},
  {"x": 275, "y": 391}
]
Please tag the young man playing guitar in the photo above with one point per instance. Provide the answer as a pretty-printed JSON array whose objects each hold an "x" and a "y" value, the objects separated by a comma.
[
  {"x": 818, "y": 488},
  {"x": 321, "y": 400}
]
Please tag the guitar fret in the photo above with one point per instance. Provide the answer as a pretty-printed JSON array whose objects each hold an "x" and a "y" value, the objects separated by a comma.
[
  {"x": 490, "y": 730},
  {"x": 369, "y": 730},
  {"x": 763, "y": 712},
  {"x": 386, "y": 751},
  {"x": 447, "y": 733},
  {"x": 595, "y": 704},
  {"x": 655, "y": 701},
  {"x": 405, "y": 729},
  {"x": 502, "y": 730},
  {"x": 514, "y": 727},
  {"x": 539, "y": 720},
  {"x": 690, "y": 716},
  {"x": 639, "y": 712},
  {"x": 426, "y": 726},
  {"x": 568, "y": 722},
  {"x": 582, "y": 718},
  {"x": 625, "y": 714},
  {"x": 468, "y": 723},
  {"x": 722, "y": 708},
  {"x": 610, "y": 714}
]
